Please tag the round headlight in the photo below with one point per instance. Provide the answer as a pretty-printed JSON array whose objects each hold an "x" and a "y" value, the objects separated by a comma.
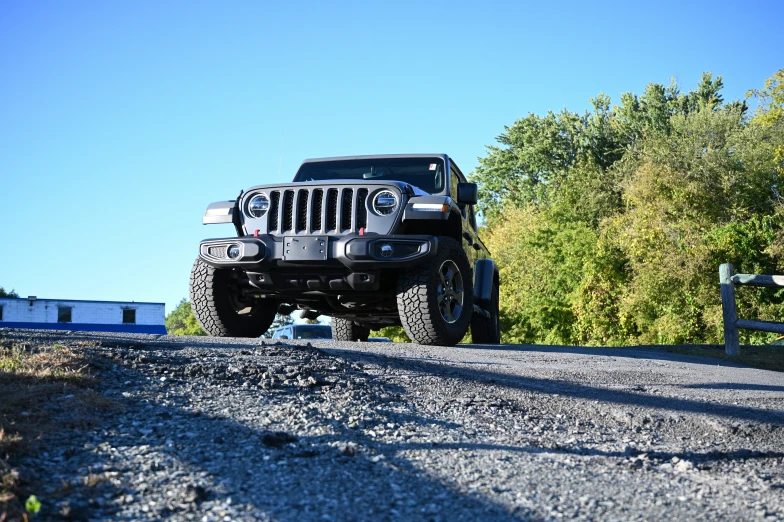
[
  {"x": 258, "y": 205},
  {"x": 385, "y": 203}
]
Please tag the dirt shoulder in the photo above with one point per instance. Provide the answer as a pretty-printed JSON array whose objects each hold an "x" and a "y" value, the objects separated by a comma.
[{"x": 46, "y": 388}]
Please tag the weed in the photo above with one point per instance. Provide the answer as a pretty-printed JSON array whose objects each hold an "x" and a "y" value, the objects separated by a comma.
[
  {"x": 12, "y": 358},
  {"x": 32, "y": 504}
]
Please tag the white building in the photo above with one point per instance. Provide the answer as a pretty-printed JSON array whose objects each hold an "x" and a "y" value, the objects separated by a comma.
[{"x": 92, "y": 316}]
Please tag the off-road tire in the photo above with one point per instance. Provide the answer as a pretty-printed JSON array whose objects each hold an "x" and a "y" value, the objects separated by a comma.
[
  {"x": 417, "y": 298},
  {"x": 213, "y": 305},
  {"x": 483, "y": 330},
  {"x": 346, "y": 330}
]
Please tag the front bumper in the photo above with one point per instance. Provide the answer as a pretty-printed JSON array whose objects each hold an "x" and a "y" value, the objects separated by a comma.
[{"x": 357, "y": 253}]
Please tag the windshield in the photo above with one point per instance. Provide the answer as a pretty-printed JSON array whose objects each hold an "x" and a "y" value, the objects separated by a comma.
[
  {"x": 313, "y": 331},
  {"x": 424, "y": 173}
]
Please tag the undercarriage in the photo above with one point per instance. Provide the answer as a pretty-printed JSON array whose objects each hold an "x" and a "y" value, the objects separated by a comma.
[{"x": 366, "y": 297}]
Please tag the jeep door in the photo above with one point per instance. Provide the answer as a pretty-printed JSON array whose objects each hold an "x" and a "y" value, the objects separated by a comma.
[{"x": 470, "y": 237}]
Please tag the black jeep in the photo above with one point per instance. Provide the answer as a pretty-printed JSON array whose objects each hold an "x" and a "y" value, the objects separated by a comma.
[{"x": 371, "y": 241}]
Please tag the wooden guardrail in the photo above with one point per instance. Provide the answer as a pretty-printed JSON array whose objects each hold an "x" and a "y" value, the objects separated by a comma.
[{"x": 731, "y": 322}]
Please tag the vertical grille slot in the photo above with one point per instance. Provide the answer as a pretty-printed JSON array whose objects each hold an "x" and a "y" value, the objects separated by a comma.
[
  {"x": 302, "y": 210},
  {"x": 345, "y": 209},
  {"x": 288, "y": 204},
  {"x": 332, "y": 209},
  {"x": 272, "y": 224},
  {"x": 362, "y": 208},
  {"x": 317, "y": 203}
]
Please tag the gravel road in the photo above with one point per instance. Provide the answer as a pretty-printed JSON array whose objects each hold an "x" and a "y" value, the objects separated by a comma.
[{"x": 237, "y": 429}]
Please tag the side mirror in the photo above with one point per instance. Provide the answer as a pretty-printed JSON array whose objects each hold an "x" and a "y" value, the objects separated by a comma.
[
  {"x": 283, "y": 337},
  {"x": 467, "y": 193}
]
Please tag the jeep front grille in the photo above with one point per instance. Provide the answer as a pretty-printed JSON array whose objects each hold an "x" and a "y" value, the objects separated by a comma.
[{"x": 309, "y": 211}]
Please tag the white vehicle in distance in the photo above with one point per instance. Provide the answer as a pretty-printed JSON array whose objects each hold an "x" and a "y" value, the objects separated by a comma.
[
  {"x": 303, "y": 331},
  {"x": 313, "y": 332}
]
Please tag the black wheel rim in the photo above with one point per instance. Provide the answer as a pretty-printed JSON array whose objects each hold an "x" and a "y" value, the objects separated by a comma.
[{"x": 450, "y": 292}]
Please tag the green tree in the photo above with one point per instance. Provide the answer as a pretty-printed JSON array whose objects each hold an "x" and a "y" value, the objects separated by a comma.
[
  {"x": 609, "y": 227},
  {"x": 707, "y": 95},
  {"x": 692, "y": 199},
  {"x": 3, "y": 293},
  {"x": 541, "y": 258},
  {"x": 770, "y": 113},
  {"x": 534, "y": 155},
  {"x": 181, "y": 321},
  {"x": 771, "y": 100}
]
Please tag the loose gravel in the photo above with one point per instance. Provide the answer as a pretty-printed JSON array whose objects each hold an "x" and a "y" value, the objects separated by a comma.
[{"x": 236, "y": 429}]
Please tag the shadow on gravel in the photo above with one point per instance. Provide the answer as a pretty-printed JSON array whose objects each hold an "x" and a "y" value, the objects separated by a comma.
[
  {"x": 574, "y": 389},
  {"x": 653, "y": 352},
  {"x": 309, "y": 478},
  {"x": 342, "y": 475},
  {"x": 663, "y": 456},
  {"x": 736, "y": 386}
]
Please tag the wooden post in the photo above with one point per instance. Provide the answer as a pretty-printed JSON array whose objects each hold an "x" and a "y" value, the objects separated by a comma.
[{"x": 731, "y": 341}]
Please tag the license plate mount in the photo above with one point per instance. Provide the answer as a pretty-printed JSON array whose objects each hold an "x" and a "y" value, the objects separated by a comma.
[{"x": 305, "y": 248}]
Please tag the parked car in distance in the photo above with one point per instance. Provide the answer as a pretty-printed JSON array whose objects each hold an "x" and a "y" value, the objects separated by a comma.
[
  {"x": 303, "y": 331},
  {"x": 314, "y": 332}
]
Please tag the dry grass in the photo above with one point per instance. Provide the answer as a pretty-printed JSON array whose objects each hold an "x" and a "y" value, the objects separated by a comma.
[
  {"x": 764, "y": 357},
  {"x": 44, "y": 390}
]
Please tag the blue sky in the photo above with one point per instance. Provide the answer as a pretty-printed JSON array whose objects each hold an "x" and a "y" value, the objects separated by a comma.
[{"x": 121, "y": 121}]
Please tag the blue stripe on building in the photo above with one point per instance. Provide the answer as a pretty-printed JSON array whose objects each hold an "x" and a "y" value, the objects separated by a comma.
[{"x": 86, "y": 327}]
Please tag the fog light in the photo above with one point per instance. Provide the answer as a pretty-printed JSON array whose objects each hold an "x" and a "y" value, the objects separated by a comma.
[
  {"x": 233, "y": 252},
  {"x": 386, "y": 250}
]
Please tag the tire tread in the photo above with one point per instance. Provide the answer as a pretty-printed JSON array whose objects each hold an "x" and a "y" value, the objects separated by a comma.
[
  {"x": 210, "y": 307},
  {"x": 419, "y": 314},
  {"x": 346, "y": 330}
]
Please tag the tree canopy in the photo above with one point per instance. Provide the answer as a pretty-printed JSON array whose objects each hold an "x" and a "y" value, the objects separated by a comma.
[
  {"x": 609, "y": 226},
  {"x": 3, "y": 293},
  {"x": 181, "y": 321}
]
